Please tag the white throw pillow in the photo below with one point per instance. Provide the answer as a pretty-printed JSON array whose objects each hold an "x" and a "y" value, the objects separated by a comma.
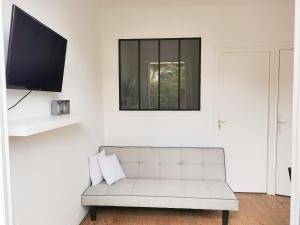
[
  {"x": 111, "y": 169},
  {"x": 95, "y": 172}
]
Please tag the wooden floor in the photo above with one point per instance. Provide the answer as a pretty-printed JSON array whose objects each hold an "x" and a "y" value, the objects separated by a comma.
[{"x": 255, "y": 209}]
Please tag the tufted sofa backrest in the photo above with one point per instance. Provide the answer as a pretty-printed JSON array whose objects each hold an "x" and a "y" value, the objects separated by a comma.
[{"x": 206, "y": 164}]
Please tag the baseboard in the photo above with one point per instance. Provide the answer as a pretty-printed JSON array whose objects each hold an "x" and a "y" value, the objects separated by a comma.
[{"x": 78, "y": 217}]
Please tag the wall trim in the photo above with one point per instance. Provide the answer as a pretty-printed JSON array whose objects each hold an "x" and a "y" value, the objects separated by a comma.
[{"x": 78, "y": 216}]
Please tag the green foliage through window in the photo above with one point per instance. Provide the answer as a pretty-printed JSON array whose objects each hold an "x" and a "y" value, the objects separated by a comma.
[{"x": 169, "y": 84}]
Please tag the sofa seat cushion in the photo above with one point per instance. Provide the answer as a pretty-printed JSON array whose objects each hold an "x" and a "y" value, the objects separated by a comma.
[{"x": 163, "y": 193}]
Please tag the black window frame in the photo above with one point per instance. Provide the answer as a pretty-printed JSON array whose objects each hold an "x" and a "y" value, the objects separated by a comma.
[{"x": 139, "y": 74}]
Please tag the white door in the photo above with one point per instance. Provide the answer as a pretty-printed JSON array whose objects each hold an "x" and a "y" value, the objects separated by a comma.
[
  {"x": 242, "y": 118},
  {"x": 284, "y": 121}
]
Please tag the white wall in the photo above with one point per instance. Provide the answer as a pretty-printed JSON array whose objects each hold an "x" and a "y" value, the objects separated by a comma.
[
  {"x": 50, "y": 170},
  {"x": 266, "y": 25}
]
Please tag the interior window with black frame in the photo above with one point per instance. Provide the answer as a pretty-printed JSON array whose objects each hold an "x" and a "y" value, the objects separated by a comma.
[{"x": 159, "y": 74}]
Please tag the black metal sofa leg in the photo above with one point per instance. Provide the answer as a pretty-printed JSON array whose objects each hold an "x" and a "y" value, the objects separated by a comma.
[
  {"x": 225, "y": 217},
  {"x": 93, "y": 213}
]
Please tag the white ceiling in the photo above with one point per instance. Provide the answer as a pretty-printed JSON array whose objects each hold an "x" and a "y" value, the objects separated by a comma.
[{"x": 181, "y": 3}]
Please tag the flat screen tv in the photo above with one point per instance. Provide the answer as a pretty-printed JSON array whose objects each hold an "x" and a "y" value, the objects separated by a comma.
[{"x": 36, "y": 55}]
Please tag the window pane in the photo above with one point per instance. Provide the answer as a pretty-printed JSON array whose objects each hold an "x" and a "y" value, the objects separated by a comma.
[
  {"x": 190, "y": 74},
  {"x": 169, "y": 74},
  {"x": 149, "y": 74},
  {"x": 151, "y": 77},
  {"x": 129, "y": 75}
]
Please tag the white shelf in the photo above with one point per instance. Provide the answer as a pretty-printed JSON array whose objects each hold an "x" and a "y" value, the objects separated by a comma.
[{"x": 23, "y": 128}]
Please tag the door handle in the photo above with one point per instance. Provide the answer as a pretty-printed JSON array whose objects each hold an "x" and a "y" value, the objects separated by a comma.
[
  {"x": 279, "y": 123},
  {"x": 220, "y": 122}
]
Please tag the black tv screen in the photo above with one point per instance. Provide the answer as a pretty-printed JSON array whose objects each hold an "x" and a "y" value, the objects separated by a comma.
[{"x": 36, "y": 55}]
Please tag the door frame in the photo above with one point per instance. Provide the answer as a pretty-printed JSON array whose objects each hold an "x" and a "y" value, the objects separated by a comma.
[
  {"x": 272, "y": 104},
  {"x": 295, "y": 193},
  {"x": 272, "y": 77},
  {"x": 5, "y": 182},
  {"x": 273, "y": 117}
]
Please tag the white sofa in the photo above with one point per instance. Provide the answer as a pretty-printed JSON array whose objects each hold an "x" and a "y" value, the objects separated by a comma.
[{"x": 184, "y": 178}]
